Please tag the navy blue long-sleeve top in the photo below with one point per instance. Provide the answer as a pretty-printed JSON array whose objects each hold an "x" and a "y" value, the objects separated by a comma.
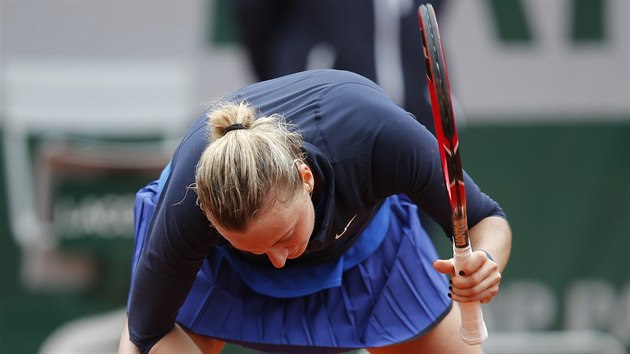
[{"x": 362, "y": 148}]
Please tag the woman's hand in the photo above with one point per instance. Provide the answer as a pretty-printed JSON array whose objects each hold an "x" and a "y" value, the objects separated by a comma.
[
  {"x": 478, "y": 280},
  {"x": 481, "y": 276}
]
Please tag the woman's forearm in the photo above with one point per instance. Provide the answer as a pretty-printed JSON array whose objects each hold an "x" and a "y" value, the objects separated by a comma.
[
  {"x": 493, "y": 235},
  {"x": 125, "y": 346}
]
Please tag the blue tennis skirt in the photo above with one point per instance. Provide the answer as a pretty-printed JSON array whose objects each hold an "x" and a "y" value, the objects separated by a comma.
[{"x": 392, "y": 295}]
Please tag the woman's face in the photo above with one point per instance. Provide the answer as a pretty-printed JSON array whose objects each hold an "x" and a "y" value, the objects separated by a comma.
[{"x": 281, "y": 231}]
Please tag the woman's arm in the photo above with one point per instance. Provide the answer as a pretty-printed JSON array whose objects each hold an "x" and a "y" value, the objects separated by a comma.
[
  {"x": 175, "y": 240},
  {"x": 125, "y": 346},
  {"x": 481, "y": 275},
  {"x": 493, "y": 235}
]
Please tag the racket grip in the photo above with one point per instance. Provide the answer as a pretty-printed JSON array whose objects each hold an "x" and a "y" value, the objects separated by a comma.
[{"x": 473, "y": 329}]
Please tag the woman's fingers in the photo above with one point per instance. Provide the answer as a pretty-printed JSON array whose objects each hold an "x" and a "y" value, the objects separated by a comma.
[
  {"x": 479, "y": 281},
  {"x": 484, "y": 291},
  {"x": 444, "y": 266}
]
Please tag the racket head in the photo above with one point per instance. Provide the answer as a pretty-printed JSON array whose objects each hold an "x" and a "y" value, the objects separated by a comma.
[{"x": 444, "y": 121}]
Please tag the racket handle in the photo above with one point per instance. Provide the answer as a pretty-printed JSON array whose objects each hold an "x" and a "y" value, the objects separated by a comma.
[{"x": 473, "y": 329}]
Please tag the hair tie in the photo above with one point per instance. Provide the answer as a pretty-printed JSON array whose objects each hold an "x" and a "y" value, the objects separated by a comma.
[{"x": 234, "y": 127}]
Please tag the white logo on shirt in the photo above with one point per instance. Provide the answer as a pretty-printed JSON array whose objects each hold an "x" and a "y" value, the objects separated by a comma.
[{"x": 345, "y": 228}]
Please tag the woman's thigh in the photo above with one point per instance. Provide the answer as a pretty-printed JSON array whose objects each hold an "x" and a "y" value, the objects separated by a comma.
[{"x": 443, "y": 338}]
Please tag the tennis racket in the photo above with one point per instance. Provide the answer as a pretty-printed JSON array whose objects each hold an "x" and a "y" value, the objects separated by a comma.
[{"x": 473, "y": 329}]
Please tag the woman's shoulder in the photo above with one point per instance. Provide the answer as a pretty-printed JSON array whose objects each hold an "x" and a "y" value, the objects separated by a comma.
[
  {"x": 336, "y": 80},
  {"x": 339, "y": 76},
  {"x": 327, "y": 75},
  {"x": 308, "y": 82}
]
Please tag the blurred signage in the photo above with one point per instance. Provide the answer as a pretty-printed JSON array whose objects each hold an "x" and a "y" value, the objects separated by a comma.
[{"x": 526, "y": 60}]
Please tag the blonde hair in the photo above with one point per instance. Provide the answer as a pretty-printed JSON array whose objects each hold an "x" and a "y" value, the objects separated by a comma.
[{"x": 248, "y": 163}]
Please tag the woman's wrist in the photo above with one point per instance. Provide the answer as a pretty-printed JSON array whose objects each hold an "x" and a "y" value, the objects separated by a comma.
[{"x": 487, "y": 253}]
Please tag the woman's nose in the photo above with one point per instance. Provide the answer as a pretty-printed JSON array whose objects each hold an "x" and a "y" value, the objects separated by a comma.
[{"x": 278, "y": 256}]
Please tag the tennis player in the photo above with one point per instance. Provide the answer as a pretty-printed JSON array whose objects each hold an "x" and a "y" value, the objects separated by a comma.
[{"x": 287, "y": 222}]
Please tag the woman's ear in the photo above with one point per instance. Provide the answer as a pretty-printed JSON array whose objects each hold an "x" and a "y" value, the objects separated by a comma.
[{"x": 307, "y": 176}]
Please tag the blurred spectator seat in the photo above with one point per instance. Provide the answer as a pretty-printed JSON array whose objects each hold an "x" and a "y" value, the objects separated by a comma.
[{"x": 82, "y": 117}]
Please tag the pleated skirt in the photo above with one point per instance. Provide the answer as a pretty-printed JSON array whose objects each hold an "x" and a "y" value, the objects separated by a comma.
[{"x": 392, "y": 296}]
